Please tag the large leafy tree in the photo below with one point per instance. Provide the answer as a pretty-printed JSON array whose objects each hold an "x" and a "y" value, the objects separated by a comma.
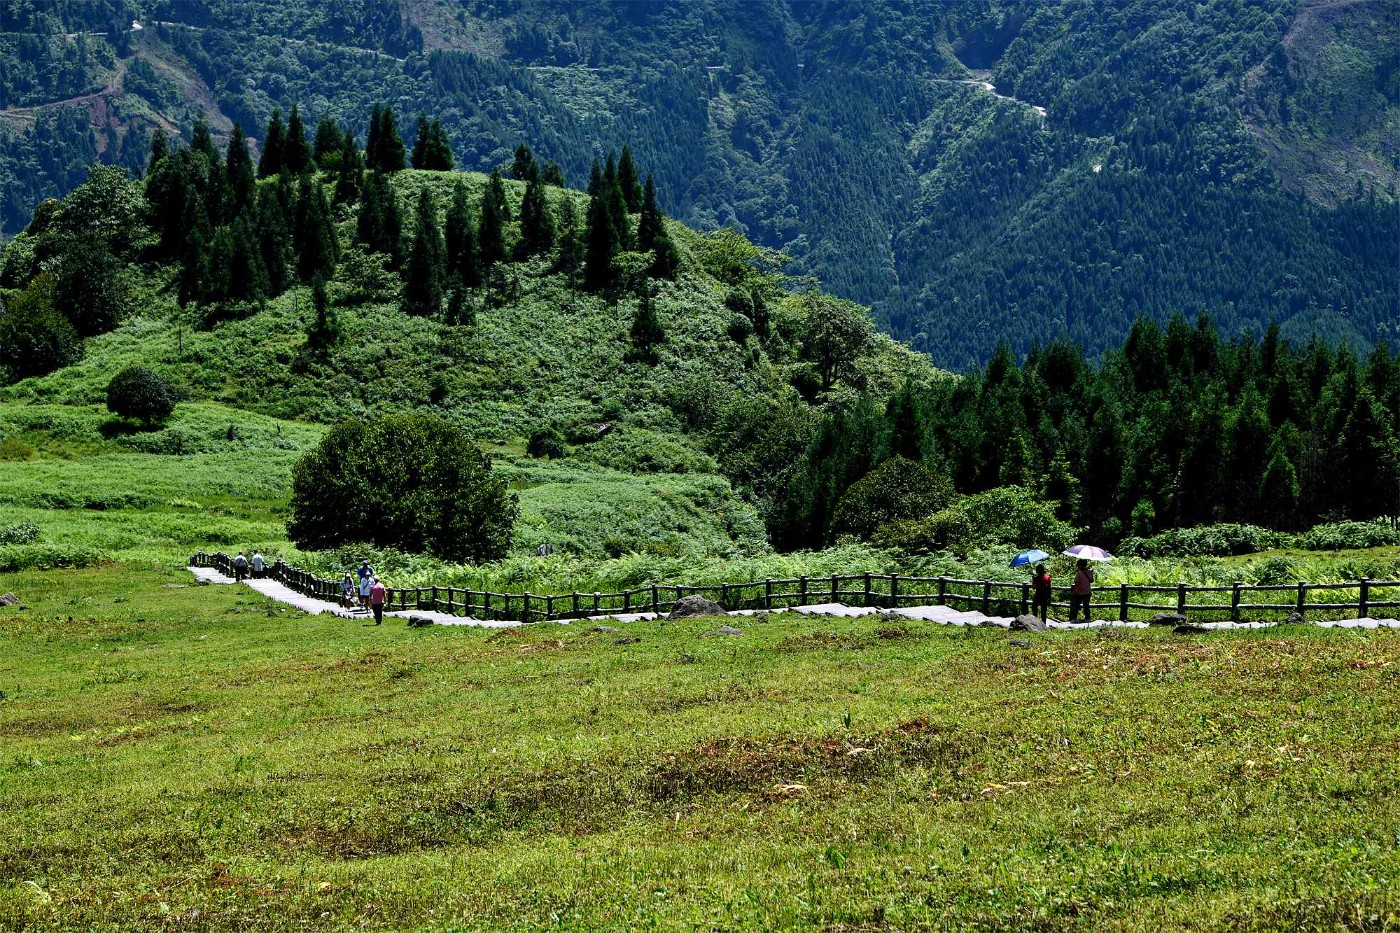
[{"x": 413, "y": 482}]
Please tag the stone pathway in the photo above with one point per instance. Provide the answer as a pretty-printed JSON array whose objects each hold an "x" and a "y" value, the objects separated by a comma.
[{"x": 941, "y": 615}]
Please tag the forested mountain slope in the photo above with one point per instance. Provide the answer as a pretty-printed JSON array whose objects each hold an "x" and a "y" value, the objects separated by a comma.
[{"x": 976, "y": 171}]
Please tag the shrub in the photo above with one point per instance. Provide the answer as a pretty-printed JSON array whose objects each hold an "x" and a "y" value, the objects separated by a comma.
[
  {"x": 137, "y": 392},
  {"x": 34, "y": 338},
  {"x": 1222, "y": 540},
  {"x": 1340, "y": 536},
  {"x": 412, "y": 482},
  {"x": 899, "y": 488},
  {"x": 1008, "y": 516},
  {"x": 21, "y": 533},
  {"x": 546, "y": 443}
]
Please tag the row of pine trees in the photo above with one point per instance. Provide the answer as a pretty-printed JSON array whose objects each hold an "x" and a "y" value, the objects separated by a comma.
[{"x": 241, "y": 233}]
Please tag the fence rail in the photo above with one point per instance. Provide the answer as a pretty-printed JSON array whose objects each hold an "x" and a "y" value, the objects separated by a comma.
[{"x": 882, "y": 590}]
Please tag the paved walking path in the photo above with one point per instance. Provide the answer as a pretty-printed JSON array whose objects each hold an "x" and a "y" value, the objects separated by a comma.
[{"x": 942, "y": 615}]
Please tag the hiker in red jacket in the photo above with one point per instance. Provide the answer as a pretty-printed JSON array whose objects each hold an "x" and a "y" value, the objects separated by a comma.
[
  {"x": 1081, "y": 591},
  {"x": 376, "y": 600},
  {"x": 1040, "y": 592}
]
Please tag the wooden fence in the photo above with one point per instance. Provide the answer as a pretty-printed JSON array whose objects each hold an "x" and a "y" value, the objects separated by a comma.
[{"x": 883, "y": 590}]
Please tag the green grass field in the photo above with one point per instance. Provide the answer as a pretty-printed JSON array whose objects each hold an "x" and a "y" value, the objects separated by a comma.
[{"x": 197, "y": 757}]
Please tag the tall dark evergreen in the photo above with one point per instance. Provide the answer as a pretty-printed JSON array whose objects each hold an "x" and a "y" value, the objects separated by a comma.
[
  {"x": 615, "y": 203},
  {"x": 274, "y": 231},
  {"x": 426, "y": 277},
  {"x": 496, "y": 194},
  {"x": 524, "y": 167},
  {"x": 631, "y": 184},
  {"x": 553, "y": 174},
  {"x": 570, "y": 239},
  {"x": 420, "y": 143},
  {"x": 653, "y": 237},
  {"x": 380, "y": 226},
  {"x": 202, "y": 142},
  {"x": 536, "y": 221},
  {"x": 491, "y": 231},
  {"x": 159, "y": 147},
  {"x": 313, "y": 234},
  {"x": 647, "y": 332},
  {"x": 463, "y": 264},
  {"x": 376, "y": 117},
  {"x": 324, "y": 331},
  {"x": 600, "y": 244},
  {"x": 329, "y": 144},
  {"x": 296, "y": 157},
  {"x": 389, "y": 155},
  {"x": 274, "y": 147},
  {"x": 350, "y": 171},
  {"x": 595, "y": 179},
  {"x": 238, "y": 171},
  {"x": 431, "y": 150}
]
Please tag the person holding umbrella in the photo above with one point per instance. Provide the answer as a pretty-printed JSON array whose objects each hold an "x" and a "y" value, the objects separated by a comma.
[
  {"x": 1040, "y": 581},
  {"x": 1083, "y": 588}
]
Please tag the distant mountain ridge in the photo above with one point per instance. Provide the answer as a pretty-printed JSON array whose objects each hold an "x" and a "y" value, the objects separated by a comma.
[{"x": 1224, "y": 157}]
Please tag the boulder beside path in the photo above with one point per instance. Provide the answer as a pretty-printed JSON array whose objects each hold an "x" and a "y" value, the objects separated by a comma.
[{"x": 695, "y": 607}]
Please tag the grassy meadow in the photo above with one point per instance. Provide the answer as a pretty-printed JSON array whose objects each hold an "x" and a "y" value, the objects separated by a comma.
[{"x": 197, "y": 757}]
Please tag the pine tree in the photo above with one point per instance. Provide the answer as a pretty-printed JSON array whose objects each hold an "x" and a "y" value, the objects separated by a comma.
[
  {"x": 376, "y": 117},
  {"x": 460, "y": 310},
  {"x": 296, "y": 158},
  {"x": 616, "y": 204},
  {"x": 496, "y": 194},
  {"x": 274, "y": 234},
  {"x": 390, "y": 154},
  {"x": 380, "y": 227},
  {"x": 350, "y": 171},
  {"x": 653, "y": 237},
  {"x": 160, "y": 146},
  {"x": 460, "y": 240},
  {"x": 274, "y": 147},
  {"x": 523, "y": 169},
  {"x": 600, "y": 245},
  {"x": 330, "y": 143},
  {"x": 420, "y": 143},
  {"x": 202, "y": 142},
  {"x": 423, "y": 286},
  {"x": 313, "y": 234},
  {"x": 570, "y": 239},
  {"x": 438, "y": 156},
  {"x": 238, "y": 169},
  {"x": 324, "y": 332},
  {"x": 595, "y": 179},
  {"x": 628, "y": 179},
  {"x": 491, "y": 232},
  {"x": 1279, "y": 493},
  {"x": 553, "y": 174},
  {"x": 536, "y": 221}
]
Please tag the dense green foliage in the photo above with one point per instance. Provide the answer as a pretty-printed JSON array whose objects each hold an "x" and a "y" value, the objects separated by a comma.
[
  {"x": 412, "y": 481},
  {"x": 138, "y": 393},
  {"x": 1226, "y": 157}
]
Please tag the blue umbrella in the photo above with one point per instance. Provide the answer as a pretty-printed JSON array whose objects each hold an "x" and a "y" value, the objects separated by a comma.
[{"x": 1028, "y": 557}]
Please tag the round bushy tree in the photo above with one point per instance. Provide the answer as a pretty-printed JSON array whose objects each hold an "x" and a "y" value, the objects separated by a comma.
[
  {"x": 412, "y": 481},
  {"x": 899, "y": 488},
  {"x": 34, "y": 338},
  {"x": 546, "y": 443},
  {"x": 136, "y": 392}
]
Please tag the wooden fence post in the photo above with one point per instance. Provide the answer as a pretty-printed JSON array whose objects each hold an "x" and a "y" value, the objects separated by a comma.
[
  {"x": 548, "y": 608},
  {"x": 1123, "y": 602},
  {"x": 768, "y": 595},
  {"x": 986, "y": 597},
  {"x": 802, "y": 591},
  {"x": 575, "y": 602},
  {"x": 835, "y": 589},
  {"x": 435, "y": 597},
  {"x": 1364, "y": 607},
  {"x": 1302, "y": 596},
  {"x": 942, "y": 591},
  {"x": 597, "y": 603},
  {"x": 1235, "y": 602},
  {"x": 1181, "y": 599},
  {"x": 894, "y": 591},
  {"x": 867, "y": 590},
  {"x": 655, "y": 598},
  {"x": 1025, "y": 597}
]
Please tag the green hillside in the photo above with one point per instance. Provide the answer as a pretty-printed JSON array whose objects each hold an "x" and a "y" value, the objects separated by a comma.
[{"x": 1231, "y": 157}]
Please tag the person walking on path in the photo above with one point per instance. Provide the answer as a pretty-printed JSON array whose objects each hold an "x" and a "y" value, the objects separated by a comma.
[
  {"x": 376, "y": 600},
  {"x": 365, "y": 583},
  {"x": 1040, "y": 592},
  {"x": 366, "y": 571},
  {"x": 347, "y": 591},
  {"x": 259, "y": 565},
  {"x": 1080, "y": 592},
  {"x": 240, "y": 567}
]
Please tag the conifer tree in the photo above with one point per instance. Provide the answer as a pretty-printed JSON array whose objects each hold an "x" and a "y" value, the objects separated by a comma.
[
  {"x": 1279, "y": 493},
  {"x": 653, "y": 237},
  {"x": 274, "y": 147},
  {"x": 380, "y": 227},
  {"x": 420, "y": 143},
  {"x": 296, "y": 157},
  {"x": 496, "y": 194},
  {"x": 570, "y": 239},
  {"x": 424, "y": 283},
  {"x": 438, "y": 157},
  {"x": 491, "y": 232},
  {"x": 536, "y": 221},
  {"x": 202, "y": 142},
  {"x": 274, "y": 234},
  {"x": 350, "y": 171},
  {"x": 389, "y": 156},
  {"x": 595, "y": 179},
  {"x": 376, "y": 116},
  {"x": 324, "y": 331},
  {"x": 460, "y": 240},
  {"x": 600, "y": 244},
  {"x": 313, "y": 234},
  {"x": 330, "y": 143},
  {"x": 616, "y": 204},
  {"x": 160, "y": 146},
  {"x": 630, "y": 182},
  {"x": 523, "y": 169},
  {"x": 460, "y": 310},
  {"x": 553, "y": 174},
  {"x": 238, "y": 170},
  {"x": 647, "y": 332}
]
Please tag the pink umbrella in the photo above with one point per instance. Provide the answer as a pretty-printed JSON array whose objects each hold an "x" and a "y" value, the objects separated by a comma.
[{"x": 1088, "y": 552}]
